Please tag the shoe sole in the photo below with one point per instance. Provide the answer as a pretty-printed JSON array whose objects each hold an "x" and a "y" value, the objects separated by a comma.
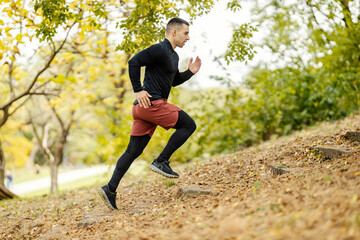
[
  {"x": 103, "y": 196},
  {"x": 155, "y": 169}
]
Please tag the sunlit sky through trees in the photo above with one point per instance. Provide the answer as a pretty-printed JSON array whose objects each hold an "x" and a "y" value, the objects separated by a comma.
[{"x": 209, "y": 37}]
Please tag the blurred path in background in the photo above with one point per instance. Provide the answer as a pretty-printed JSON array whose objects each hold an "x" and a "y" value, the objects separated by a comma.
[{"x": 31, "y": 186}]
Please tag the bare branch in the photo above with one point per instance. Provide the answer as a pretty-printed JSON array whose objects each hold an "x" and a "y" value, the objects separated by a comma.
[
  {"x": 316, "y": 21},
  {"x": 56, "y": 115},
  {"x": 345, "y": 4},
  {"x": 5, "y": 116},
  {"x": 345, "y": 11},
  {"x": 47, "y": 65},
  {"x": 52, "y": 46},
  {"x": 88, "y": 55},
  {"x": 11, "y": 68},
  {"x": 42, "y": 94},
  {"x": 37, "y": 136},
  {"x": 344, "y": 7},
  {"x": 42, "y": 141},
  {"x": 19, "y": 106},
  {"x": 31, "y": 93},
  {"x": 42, "y": 85}
]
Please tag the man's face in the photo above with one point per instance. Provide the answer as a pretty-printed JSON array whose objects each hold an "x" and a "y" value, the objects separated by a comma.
[{"x": 182, "y": 35}]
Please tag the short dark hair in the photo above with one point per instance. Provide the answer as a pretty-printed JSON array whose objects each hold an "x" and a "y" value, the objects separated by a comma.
[{"x": 175, "y": 22}]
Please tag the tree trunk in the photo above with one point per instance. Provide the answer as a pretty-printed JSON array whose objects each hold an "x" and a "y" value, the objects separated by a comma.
[
  {"x": 2, "y": 167},
  {"x": 59, "y": 154},
  {"x": 31, "y": 159},
  {"x": 120, "y": 83},
  {"x": 54, "y": 177},
  {"x": 6, "y": 194}
]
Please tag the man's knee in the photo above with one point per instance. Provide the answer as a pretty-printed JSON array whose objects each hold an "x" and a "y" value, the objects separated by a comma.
[
  {"x": 137, "y": 145},
  {"x": 186, "y": 122},
  {"x": 192, "y": 126},
  {"x": 134, "y": 152}
]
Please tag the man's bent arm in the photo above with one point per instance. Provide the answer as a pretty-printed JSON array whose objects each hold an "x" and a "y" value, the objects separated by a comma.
[
  {"x": 193, "y": 69},
  {"x": 143, "y": 58},
  {"x": 180, "y": 78}
]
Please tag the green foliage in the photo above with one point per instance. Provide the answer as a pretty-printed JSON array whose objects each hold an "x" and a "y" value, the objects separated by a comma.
[
  {"x": 56, "y": 13},
  {"x": 221, "y": 109},
  {"x": 144, "y": 23},
  {"x": 288, "y": 99},
  {"x": 234, "y": 5},
  {"x": 141, "y": 21},
  {"x": 144, "y": 26},
  {"x": 323, "y": 87},
  {"x": 240, "y": 48},
  {"x": 313, "y": 78}
]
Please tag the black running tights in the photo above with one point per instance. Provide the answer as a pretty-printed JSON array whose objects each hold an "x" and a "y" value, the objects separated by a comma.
[{"x": 184, "y": 126}]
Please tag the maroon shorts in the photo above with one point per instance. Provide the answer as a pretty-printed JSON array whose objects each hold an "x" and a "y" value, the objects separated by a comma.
[{"x": 160, "y": 113}]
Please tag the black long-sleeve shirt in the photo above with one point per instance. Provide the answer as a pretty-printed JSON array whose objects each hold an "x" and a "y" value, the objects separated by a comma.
[{"x": 161, "y": 72}]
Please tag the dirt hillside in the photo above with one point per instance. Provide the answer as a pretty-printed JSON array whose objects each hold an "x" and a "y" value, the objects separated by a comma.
[{"x": 281, "y": 189}]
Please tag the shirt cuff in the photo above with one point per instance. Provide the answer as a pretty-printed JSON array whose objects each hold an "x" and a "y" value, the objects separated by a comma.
[
  {"x": 138, "y": 89},
  {"x": 189, "y": 73}
]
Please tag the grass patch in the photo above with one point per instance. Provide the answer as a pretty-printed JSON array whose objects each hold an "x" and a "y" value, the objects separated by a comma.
[{"x": 169, "y": 183}]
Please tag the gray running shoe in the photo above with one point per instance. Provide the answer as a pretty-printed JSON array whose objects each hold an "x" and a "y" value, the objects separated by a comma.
[{"x": 163, "y": 168}]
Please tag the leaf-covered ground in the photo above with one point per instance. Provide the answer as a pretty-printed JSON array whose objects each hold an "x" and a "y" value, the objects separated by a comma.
[{"x": 315, "y": 199}]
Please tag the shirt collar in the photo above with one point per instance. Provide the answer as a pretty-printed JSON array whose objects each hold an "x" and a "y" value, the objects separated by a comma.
[{"x": 169, "y": 43}]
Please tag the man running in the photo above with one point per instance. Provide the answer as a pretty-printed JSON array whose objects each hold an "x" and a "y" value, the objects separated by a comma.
[{"x": 151, "y": 108}]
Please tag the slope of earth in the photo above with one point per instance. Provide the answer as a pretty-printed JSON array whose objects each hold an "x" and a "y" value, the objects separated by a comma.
[{"x": 281, "y": 189}]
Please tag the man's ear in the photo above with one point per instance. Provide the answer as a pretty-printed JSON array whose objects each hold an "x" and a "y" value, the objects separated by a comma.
[{"x": 174, "y": 31}]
